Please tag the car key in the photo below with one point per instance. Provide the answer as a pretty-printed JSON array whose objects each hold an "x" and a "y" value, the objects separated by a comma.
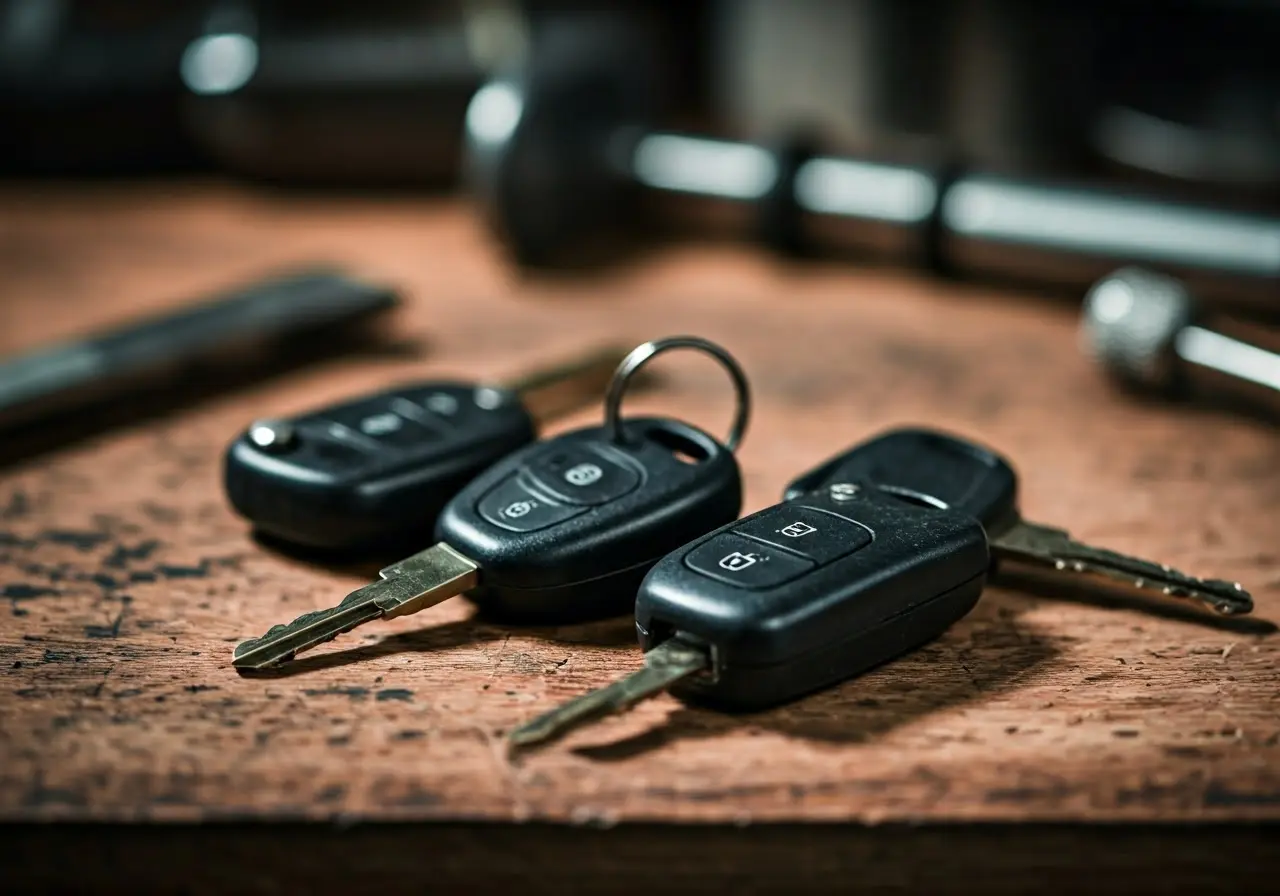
[
  {"x": 793, "y": 599},
  {"x": 375, "y": 471},
  {"x": 563, "y": 529},
  {"x": 931, "y": 467}
]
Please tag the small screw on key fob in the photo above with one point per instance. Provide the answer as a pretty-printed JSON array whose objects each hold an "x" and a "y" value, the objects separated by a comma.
[
  {"x": 792, "y": 599},
  {"x": 373, "y": 473}
]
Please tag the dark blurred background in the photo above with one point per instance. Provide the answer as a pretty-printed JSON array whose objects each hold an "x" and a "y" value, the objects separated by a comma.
[{"x": 1180, "y": 96}]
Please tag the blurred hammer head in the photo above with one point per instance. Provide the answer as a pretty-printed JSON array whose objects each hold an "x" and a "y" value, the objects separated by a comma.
[{"x": 1130, "y": 322}]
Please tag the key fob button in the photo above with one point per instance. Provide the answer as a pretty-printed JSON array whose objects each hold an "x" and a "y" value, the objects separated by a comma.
[
  {"x": 456, "y": 406},
  {"x": 336, "y": 451},
  {"x": 388, "y": 422},
  {"x": 745, "y": 563},
  {"x": 334, "y": 447},
  {"x": 582, "y": 477},
  {"x": 822, "y": 537},
  {"x": 513, "y": 507},
  {"x": 442, "y": 404}
]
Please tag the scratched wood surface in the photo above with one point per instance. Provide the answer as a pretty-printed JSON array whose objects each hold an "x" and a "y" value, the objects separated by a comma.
[{"x": 127, "y": 579}]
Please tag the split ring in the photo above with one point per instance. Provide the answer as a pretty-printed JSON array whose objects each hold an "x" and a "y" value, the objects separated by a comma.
[{"x": 642, "y": 354}]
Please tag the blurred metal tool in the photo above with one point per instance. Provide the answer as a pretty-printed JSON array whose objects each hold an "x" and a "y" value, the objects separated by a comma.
[
  {"x": 1026, "y": 231},
  {"x": 1147, "y": 331},
  {"x": 562, "y": 154},
  {"x": 1071, "y": 235},
  {"x": 231, "y": 331}
]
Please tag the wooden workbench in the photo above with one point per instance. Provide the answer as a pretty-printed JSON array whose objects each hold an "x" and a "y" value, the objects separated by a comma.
[{"x": 1064, "y": 738}]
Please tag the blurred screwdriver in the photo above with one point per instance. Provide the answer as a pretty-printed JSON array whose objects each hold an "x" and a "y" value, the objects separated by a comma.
[{"x": 232, "y": 331}]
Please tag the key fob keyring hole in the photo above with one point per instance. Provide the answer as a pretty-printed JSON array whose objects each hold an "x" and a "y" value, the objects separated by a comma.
[{"x": 683, "y": 449}]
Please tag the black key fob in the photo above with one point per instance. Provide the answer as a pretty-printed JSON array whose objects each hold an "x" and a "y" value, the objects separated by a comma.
[
  {"x": 565, "y": 529},
  {"x": 811, "y": 592},
  {"x": 372, "y": 473}
]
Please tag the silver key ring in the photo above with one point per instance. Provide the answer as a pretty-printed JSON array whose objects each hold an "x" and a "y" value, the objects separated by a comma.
[{"x": 642, "y": 354}]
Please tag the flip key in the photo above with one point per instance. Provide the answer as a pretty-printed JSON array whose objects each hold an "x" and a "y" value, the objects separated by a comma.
[
  {"x": 926, "y": 466},
  {"x": 792, "y": 599}
]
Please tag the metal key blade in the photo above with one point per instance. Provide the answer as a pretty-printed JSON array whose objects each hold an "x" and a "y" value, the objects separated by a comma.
[
  {"x": 412, "y": 584},
  {"x": 283, "y": 642},
  {"x": 1046, "y": 546},
  {"x": 664, "y": 665}
]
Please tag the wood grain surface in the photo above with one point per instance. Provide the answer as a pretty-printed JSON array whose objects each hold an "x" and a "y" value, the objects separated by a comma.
[{"x": 127, "y": 578}]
